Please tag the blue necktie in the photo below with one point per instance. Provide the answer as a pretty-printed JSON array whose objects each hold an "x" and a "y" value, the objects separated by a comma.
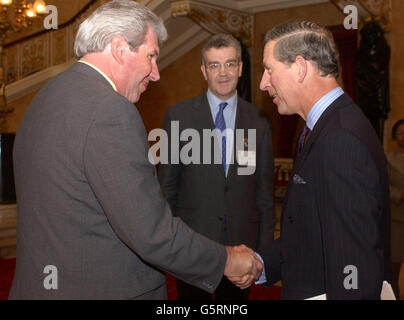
[
  {"x": 221, "y": 125},
  {"x": 302, "y": 138}
]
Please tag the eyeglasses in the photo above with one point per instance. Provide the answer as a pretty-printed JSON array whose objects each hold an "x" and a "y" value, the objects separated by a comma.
[{"x": 228, "y": 66}]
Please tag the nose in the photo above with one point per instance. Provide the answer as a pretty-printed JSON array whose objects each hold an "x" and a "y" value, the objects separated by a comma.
[
  {"x": 265, "y": 81},
  {"x": 155, "y": 74},
  {"x": 222, "y": 69}
]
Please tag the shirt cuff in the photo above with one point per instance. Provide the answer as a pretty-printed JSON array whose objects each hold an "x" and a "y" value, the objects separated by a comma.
[{"x": 262, "y": 279}]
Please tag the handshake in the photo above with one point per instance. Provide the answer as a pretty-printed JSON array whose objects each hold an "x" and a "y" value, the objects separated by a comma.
[{"x": 242, "y": 266}]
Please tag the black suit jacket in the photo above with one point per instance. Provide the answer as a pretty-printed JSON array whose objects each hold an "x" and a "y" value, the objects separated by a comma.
[
  {"x": 207, "y": 200},
  {"x": 336, "y": 212}
]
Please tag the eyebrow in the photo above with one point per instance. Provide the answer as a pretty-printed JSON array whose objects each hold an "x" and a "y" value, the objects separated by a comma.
[
  {"x": 265, "y": 66},
  {"x": 230, "y": 60}
]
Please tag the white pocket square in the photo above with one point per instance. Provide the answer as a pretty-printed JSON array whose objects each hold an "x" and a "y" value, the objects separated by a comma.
[{"x": 298, "y": 179}]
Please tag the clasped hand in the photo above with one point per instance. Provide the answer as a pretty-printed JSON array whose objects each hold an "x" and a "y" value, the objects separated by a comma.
[{"x": 242, "y": 266}]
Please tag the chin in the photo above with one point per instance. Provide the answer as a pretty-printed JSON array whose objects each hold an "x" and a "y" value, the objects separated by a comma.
[
  {"x": 283, "y": 111},
  {"x": 134, "y": 98},
  {"x": 227, "y": 93}
]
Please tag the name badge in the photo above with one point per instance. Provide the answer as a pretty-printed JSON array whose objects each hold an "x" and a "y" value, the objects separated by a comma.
[{"x": 246, "y": 158}]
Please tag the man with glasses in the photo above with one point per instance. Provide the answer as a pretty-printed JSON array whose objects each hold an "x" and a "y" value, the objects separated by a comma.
[{"x": 214, "y": 198}]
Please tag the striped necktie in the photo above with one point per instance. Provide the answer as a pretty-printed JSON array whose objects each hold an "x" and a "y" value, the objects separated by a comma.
[
  {"x": 221, "y": 125},
  {"x": 302, "y": 138}
]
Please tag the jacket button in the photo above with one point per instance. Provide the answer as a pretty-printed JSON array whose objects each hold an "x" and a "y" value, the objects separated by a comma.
[
  {"x": 226, "y": 188},
  {"x": 291, "y": 220},
  {"x": 220, "y": 218}
]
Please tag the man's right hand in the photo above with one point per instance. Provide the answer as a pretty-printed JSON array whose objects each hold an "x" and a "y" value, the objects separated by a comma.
[{"x": 242, "y": 266}]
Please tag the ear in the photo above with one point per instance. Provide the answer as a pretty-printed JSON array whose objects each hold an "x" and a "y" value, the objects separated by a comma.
[
  {"x": 203, "y": 69},
  {"x": 119, "y": 48},
  {"x": 302, "y": 66},
  {"x": 240, "y": 69}
]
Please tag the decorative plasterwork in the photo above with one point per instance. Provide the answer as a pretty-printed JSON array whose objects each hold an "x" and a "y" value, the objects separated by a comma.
[
  {"x": 368, "y": 10},
  {"x": 177, "y": 47},
  {"x": 254, "y": 6},
  {"x": 29, "y": 64},
  {"x": 216, "y": 19}
]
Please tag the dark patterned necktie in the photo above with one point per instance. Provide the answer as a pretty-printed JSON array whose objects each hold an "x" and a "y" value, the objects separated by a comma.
[
  {"x": 221, "y": 125},
  {"x": 302, "y": 138}
]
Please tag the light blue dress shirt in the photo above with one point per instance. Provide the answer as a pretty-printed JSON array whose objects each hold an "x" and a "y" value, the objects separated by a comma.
[
  {"x": 321, "y": 105},
  {"x": 229, "y": 114}
]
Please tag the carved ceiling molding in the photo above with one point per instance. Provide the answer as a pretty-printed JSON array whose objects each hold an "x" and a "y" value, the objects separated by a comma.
[
  {"x": 370, "y": 10},
  {"x": 216, "y": 19}
]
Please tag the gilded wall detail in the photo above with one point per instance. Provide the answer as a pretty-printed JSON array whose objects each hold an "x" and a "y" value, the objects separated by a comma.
[
  {"x": 216, "y": 19},
  {"x": 11, "y": 62},
  {"x": 33, "y": 55},
  {"x": 43, "y": 51},
  {"x": 59, "y": 46},
  {"x": 379, "y": 10}
]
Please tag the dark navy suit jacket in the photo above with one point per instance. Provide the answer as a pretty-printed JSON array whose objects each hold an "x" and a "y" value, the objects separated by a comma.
[{"x": 336, "y": 213}]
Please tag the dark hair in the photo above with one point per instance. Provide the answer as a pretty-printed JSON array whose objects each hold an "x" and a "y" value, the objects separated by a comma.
[
  {"x": 222, "y": 40},
  {"x": 395, "y": 128},
  {"x": 307, "y": 39}
]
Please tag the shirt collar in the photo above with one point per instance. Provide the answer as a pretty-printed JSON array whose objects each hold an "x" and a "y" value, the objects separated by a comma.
[
  {"x": 102, "y": 73},
  {"x": 215, "y": 101},
  {"x": 321, "y": 105}
]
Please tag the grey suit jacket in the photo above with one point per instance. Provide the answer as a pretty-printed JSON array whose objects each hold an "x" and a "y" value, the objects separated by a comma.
[
  {"x": 90, "y": 204},
  {"x": 237, "y": 209}
]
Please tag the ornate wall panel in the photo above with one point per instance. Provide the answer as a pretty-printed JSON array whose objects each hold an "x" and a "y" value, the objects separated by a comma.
[
  {"x": 216, "y": 19},
  {"x": 43, "y": 51},
  {"x": 59, "y": 44},
  {"x": 379, "y": 10},
  {"x": 34, "y": 55},
  {"x": 11, "y": 62}
]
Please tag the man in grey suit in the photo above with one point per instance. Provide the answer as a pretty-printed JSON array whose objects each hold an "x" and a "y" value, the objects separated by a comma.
[
  {"x": 216, "y": 198},
  {"x": 92, "y": 220}
]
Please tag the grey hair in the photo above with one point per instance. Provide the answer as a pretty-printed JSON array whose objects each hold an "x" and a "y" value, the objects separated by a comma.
[
  {"x": 309, "y": 40},
  {"x": 127, "y": 18},
  {"x": 221, "y": 40}
]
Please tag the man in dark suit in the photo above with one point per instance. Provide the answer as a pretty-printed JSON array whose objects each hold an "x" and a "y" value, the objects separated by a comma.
[
  {"x": 335, "y": 221},
  {"x": 92, "y": 220},
  {"x": 216, "y": 198}
]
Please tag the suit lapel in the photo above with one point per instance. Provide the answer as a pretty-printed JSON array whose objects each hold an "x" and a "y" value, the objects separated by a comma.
[
  {"x": 202, "y": 115},
  {"x": 319, "y": 126},
  {"x": 242, "y": 122}
]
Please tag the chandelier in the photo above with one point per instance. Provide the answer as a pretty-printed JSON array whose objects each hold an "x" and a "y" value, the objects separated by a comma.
[
  {"x": 14, "y": 16},
  {"x": 24, "y": 13}
]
